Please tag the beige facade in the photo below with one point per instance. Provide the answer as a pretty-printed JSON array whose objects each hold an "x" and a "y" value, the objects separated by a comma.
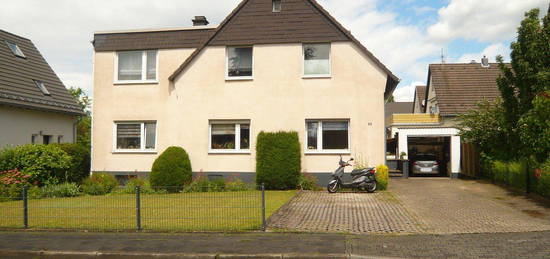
[
  {"x": 19, "y": 126},
  {"x": 277, "y": 98}
]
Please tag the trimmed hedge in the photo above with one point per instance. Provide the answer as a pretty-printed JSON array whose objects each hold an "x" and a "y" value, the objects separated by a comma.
[
  {"x": 382, "y": 177},
  {"x": 513, "y": 174},
  {"x": 171, "y": 170},
  {"x": 79, "y": 167},
  {"x": 278, "y": 160}
]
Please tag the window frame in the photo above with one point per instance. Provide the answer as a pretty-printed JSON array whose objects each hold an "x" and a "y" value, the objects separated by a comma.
[
  {"x": 273, "y": 6},
  {"x": 320, "y": 149},
  {"x": 143, "y": 79},
  {"x": 237, "y": 149},
  {"x": 18, "y": 49},
  {"x": 42, "y": 87},
  {"x": 142, "y": 138},
  {"x": 237, "y": 78},
  {"x": 329, "y": 75}
]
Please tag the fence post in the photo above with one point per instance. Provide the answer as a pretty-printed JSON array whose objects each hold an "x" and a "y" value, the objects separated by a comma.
[
  {"x": 527, "y": 176},
  {"x": 138, "y": 207},
  {"x": 25, "y": 208},
  {"x": 264, "y": 225}
]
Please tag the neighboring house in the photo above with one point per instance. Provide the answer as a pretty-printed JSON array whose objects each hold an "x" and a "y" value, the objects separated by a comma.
[
  {"x": 452, "y": 90},
  {"x": 391, "y": 109},
  {"x": 35, "y": 106},
  {"x": 419, "y": 103},
  {"x": 271, "y": 65}
]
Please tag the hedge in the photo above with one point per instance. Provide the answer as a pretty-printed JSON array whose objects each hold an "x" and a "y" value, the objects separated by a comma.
[
  {"x": 513, "y": 174},
  {"x": 171, "y": 170},
  {"x": 278, "y": 160},
  {"x": 79, "y": 167}
]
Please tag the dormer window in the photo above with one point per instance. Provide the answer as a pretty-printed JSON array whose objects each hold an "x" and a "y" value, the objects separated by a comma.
[
  {"x": 42, "y": 87},
  {"x": 277, "y": 6},
  {"x": 15, "y": 49}
]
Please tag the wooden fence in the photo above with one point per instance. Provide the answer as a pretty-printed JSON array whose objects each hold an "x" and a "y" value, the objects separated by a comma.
[{"x": 470, "y": 162}]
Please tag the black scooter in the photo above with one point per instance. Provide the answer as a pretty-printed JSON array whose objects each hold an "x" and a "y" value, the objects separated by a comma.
[{"x": 363, "y": 179}]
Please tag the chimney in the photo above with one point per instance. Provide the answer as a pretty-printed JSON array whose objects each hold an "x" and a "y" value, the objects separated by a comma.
[
  {"x": 200, "y": 21},
  {"x": 484, "y": 61}
]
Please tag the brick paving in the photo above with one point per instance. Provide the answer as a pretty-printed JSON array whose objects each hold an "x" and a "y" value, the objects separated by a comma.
[
  {"x": 426, "y": 205},
  {"x": 346, "y": 212},
  {"x": 458, "y": 206}
]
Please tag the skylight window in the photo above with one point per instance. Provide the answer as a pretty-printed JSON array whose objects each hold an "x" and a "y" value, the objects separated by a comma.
[
  {"x": 277, "y": 6},
  {"x": 42, "y": 87},
  {"x": 15, "y": 49}
]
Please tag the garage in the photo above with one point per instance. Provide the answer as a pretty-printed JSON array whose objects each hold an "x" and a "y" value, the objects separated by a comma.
[{"x": 429, "y": 156}]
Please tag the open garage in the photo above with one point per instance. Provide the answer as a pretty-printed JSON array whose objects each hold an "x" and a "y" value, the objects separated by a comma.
[{"x": 429, "y": 156}]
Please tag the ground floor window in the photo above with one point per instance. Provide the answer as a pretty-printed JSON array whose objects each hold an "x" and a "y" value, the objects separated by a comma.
[
  {"x": 47, "y": 139},
  {"x": 229, "y": 136},
  {"x": 135, "y": 136},
  {"x": 327, "y": 135}
]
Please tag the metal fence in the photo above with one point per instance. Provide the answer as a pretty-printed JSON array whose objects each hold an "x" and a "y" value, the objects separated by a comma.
[{"x": 202, "y": 210}]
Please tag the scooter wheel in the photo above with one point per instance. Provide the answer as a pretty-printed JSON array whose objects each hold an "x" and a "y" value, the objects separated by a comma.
[
  {"x": 333, "y": 187},
  {"x": 371, "y": 187}
]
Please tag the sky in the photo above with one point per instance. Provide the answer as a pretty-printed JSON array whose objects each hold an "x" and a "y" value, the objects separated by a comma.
[{"x": 406, "y": 35}]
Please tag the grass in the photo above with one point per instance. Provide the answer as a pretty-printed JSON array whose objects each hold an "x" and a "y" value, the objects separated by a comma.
[{"x": 213, "y": 211}]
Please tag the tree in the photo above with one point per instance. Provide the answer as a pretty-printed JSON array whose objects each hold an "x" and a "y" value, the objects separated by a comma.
[
  {"x": 84, "y": 124},
  {"x": 528, "y": 75},
  {"x": 391, "y": 99}
]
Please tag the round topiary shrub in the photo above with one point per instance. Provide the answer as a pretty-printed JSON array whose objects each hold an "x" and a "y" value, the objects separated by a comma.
[{"x": 171, "y": 170}]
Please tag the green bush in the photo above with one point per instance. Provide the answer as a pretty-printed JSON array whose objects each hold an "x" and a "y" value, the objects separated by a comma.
[
  {"x": 171, "y": 170},
  {"x": 60, "y": 190},
  {"x": 203, "y": 184},
  {"x": 308, "y": 182},
  {"x": 130, "y": 187},
  {"x": 99, "y": 184},
  {"x": 382, "y": 177},
  {"x": 79, "y": 166},
  {"x": 236, "y": 185},
  {"x": 543, "y": 183},
  {"x": 42, "y": 162},
  {"x": 516, "y": 175},
  {"x": 500, "y": 172},
  {"x": 278, "y": 160}
]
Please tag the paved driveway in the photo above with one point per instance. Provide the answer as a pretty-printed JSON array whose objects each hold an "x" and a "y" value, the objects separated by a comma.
[{"x": 420, "y": 205}]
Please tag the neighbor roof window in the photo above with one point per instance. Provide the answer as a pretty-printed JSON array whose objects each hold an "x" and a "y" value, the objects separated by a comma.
[
  {"x": 42, "y": 87},
  {"x": 15, "y": 49},
  {"x": 277, "y": 6}
]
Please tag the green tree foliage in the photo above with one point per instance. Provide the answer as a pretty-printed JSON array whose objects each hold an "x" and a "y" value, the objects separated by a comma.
[
  {"x": 528, "y": 75},
  {"x": 278, "y": 160},
  {"x": 484, "y": 127},
  {"x": 45, "y": 163},
  {"x": 535, "y": 128},
  {"x": 84, "y": 124},
  {"x": 171, "y": 170}
]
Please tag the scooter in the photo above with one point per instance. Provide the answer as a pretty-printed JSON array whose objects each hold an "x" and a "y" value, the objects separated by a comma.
[{"x": 362, "y": 179}]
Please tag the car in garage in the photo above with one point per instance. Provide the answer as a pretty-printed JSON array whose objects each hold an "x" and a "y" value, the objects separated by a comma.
[{"x": 425, "y": 164}]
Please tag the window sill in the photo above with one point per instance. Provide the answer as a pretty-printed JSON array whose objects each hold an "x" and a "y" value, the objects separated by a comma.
[
  {"x": 134, "y": 152},
  {"x": 242, "y": 78},
  {"x": 242, "y": 152},
  {"x": 327, "y": 152},
  {"x": 150, "y": 82},
  {"x": 316, "y": 76}
]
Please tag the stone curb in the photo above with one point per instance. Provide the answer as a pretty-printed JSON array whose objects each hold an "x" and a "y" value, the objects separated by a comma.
[{"x": 96, "y": 254}]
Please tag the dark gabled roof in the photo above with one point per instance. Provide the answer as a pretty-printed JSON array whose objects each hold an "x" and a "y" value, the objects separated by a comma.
[
  {"x": 17, "y": 75},
  {"x": 166, "y": 39},
  {"x": 459, "y": 87},
  {"x": 419, "y": 96},
  {"x": 253, "y": 22},
  {"x": 396, "y": 108}
]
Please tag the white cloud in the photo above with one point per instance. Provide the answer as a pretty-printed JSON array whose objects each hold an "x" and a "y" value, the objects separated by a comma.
[
  {"x": 484, "y": 21},
  {"x": 490, "y": 51},
  {"x": 406, "y": 93}
]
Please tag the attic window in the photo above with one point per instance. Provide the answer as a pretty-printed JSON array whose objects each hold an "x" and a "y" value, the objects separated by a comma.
[
  {"x": 42, "y": 87},
  {"x": 277, "y": 6},
  {"x": 15, "y": 49}
]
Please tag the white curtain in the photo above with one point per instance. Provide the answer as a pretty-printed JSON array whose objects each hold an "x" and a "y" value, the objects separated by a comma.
[{"x": 129, "y": 65}]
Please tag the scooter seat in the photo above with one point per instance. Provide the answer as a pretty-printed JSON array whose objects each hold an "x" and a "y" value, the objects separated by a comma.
[{"x": 357, "y": 172}]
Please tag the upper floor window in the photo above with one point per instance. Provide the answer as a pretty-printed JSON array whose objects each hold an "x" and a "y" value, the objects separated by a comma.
[
  {"x": 15, "y": 49},
  {"x": 42, "y": 87},
  {"x": 229, "y": 136},
  {"x": 317, "y": 60},
  {"x": 277, "y": 6},
  {"x": 137, "y": 66},
  {"x": 327, "y": 135},
  {"x": 239, "y": 62},
  {"x": 136, "y": 136}
]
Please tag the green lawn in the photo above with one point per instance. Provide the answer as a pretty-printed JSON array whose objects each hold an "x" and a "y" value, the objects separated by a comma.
[{"x": 178, "y": 212}]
